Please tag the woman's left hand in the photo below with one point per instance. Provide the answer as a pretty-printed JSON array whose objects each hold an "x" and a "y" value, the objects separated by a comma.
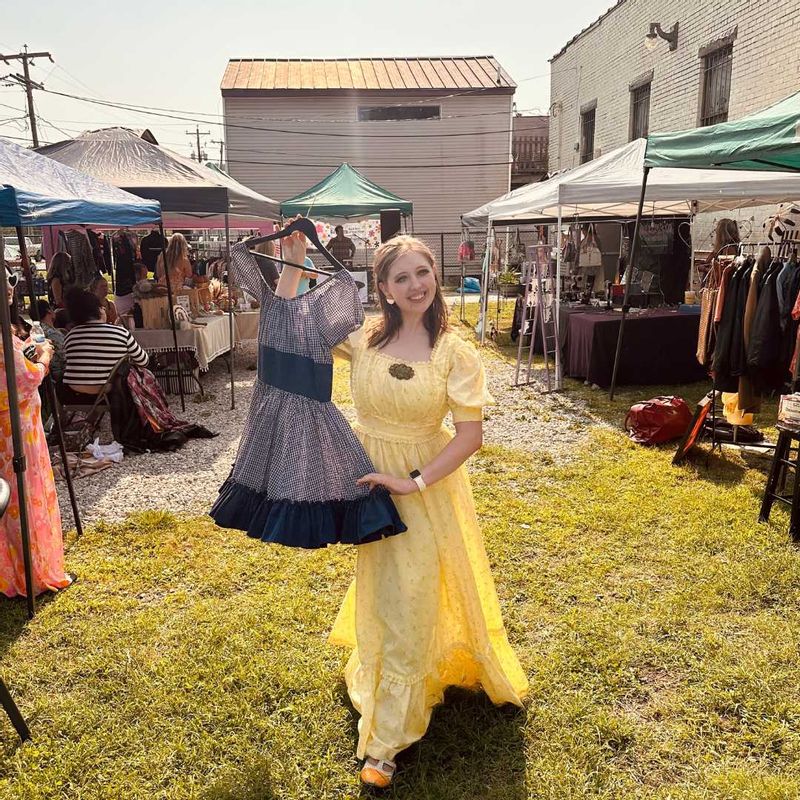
[{"x": 399, "y": 486}]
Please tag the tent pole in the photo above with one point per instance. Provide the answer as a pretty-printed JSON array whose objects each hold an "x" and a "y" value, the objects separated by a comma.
[
  {"x": 16, "y": 436},
  {"x": 484, "y": 304},
  {"x": 559, "y": 365},
  {"x": 55, "y": 406},
  {"x": 172, "y": 313},
  {"x": 230, "y": 302},
  {"x": 628, "y": 275}
]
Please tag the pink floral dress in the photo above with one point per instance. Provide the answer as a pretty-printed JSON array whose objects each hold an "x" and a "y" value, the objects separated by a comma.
[{"x": 44, "y": 518}]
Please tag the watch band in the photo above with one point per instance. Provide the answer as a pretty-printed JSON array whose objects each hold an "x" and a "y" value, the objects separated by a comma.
[{"x": 416, "y": 476}]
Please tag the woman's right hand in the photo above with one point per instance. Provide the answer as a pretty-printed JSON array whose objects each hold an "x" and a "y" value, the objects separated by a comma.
[{"x": 293, "y": 247}]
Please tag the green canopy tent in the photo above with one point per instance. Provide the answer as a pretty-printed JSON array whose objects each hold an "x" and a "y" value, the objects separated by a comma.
[
  {"x": 767, "y": 141},
  {"x": 345, "y": 194}
]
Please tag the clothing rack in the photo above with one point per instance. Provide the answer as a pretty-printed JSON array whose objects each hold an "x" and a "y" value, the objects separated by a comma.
[{"x": 780, "y": 250}]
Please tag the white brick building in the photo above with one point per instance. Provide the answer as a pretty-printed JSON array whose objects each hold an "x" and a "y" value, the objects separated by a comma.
[
  {"x": 733, "y": 57},
  {"x": 749, "y": 45}
]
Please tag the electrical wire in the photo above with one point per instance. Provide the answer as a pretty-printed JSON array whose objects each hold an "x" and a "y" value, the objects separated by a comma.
[{"x": 139, "y": 110}]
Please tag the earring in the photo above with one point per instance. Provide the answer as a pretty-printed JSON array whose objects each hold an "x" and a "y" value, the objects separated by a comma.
[{"x": 390, "y": 301}]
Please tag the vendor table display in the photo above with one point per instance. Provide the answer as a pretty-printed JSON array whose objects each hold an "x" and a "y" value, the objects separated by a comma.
[
  {"x": 660, "y": 347},
  {"x": 208, "y": 338},
  {"x": 246, "y": 323}
]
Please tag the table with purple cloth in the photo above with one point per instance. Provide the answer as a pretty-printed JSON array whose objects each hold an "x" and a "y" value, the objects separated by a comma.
[{"x": 658, "y": 347}]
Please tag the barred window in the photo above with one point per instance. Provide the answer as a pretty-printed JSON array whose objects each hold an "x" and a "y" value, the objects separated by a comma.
[
  {"x": 716, "y": 86},
  {"x": 587, "y": 135},
  {"x": 640, "y": 111}
]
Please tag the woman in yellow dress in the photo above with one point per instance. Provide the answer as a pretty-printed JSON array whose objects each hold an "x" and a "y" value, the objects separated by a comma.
[{"x": 422, "y": 613}]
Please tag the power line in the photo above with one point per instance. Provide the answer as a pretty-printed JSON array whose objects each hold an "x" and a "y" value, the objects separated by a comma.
[
  {"x": 142, "y": 110},
  {"x": 24, "y": 80}
]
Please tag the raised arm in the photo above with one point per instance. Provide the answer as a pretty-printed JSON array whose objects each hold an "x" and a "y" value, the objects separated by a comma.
[{"x": 293, "y": 248}]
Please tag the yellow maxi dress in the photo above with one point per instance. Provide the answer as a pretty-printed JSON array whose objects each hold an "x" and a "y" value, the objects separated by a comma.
[{"x": 422, "y": 613}]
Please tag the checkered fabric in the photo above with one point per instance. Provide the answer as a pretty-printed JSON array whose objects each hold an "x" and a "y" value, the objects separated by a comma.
[{"x": 293, "y": 447}]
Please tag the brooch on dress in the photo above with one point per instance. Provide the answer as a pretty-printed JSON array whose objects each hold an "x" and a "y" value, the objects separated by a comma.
[{"x": 403, "y": 372}]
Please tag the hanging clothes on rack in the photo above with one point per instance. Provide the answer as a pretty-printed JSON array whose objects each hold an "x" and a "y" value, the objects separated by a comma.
[
  {"x": 101, "y": 250},
  {"x": 125, "y": 245},
  {"x": 294, "y": 480},
  {"x": 76, "y": 243},
  {"x": 708, "y": 300}
]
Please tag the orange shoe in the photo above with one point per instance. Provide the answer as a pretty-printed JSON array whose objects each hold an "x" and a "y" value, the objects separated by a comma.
[{"x": 377, "y": 773}]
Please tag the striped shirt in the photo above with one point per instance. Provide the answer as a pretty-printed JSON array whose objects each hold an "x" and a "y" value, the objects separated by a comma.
[{"x": 91, "y": 351}]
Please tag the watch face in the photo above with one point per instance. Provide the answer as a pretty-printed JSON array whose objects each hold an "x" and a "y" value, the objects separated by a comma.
[{"x": 415, "y": 473}]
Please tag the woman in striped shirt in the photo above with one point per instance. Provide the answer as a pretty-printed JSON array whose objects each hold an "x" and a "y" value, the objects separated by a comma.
[{"x": 92, "y": 348}]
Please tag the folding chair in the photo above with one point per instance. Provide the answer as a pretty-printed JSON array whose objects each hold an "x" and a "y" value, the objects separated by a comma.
[{"x": 92, "y": 413}]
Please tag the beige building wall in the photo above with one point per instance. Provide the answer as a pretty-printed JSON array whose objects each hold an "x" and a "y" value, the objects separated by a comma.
[{"x": 269, "y": 161}]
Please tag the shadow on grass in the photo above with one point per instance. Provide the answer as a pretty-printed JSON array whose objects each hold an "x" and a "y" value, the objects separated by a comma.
[
  {"x": 254, "y": 784},
  {"x": 472, "y": 748}
]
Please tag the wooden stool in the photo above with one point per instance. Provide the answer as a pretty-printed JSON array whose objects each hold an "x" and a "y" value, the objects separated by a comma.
[{"x": 788, "y": 443}]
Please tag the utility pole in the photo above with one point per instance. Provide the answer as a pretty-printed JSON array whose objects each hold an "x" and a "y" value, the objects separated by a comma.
[
  {"x": 221, "y": 144},
  {"x": 198, "y": 133},
  {"x": 25, "y": 81}
]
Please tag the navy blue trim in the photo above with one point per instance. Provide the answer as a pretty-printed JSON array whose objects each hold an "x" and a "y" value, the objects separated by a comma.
[
  {"x": 296, "y": 374},
  {"x": 308, "y": 525}
]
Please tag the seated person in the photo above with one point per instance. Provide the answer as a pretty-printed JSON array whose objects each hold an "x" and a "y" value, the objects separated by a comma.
[
  {"x": 55, "y": 336},
  {"x": 61, "y": 320},
  {"x": 92, "y": 347},
  {"x": 99, "y": 287},
  {"x": 143, "y": 286}
]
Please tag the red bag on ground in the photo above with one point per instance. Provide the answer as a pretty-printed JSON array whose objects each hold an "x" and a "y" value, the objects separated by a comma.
[{"x": 660, "y": 419}]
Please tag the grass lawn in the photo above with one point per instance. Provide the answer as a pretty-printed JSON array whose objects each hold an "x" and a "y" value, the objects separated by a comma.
[{"x": 657, "y": 621}]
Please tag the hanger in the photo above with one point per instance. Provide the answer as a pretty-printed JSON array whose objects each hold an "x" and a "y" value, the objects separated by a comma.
[{"x": 305, "y": 226}]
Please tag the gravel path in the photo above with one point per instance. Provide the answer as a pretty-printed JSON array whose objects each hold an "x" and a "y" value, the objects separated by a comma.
[{"x": 187, "y": 481}]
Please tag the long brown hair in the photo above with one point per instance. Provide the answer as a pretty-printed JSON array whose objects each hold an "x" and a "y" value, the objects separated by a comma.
[{"x": 435, "y": 319}]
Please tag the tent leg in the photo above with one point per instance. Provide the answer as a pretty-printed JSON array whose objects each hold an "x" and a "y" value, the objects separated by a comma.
[
  {"x": 559, "y": 364},
  {"x": 230, "y": 304},
  {"x": 52, "y": 399},
  {"x": 484, "y": 306},
  {"x": 172, "y": 314},
  {"x": 16, "y": 436},
  {"x": 628, "y": 274}
]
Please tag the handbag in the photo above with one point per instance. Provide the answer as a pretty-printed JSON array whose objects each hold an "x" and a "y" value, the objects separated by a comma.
[
  {"x": 591, "y": 255},
  {"x": 658, "y": 420}
]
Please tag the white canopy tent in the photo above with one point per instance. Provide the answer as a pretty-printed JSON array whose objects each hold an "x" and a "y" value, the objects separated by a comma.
[{"x": 610, "y": 187}]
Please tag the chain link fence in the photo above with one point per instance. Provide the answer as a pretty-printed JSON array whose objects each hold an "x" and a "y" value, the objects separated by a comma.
[{"x": 445, "y": 247}]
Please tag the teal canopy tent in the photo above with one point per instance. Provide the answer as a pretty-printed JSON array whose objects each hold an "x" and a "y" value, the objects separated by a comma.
[
  {"x": 768, "y": 140},
  {"x": 345, "y": 193}
]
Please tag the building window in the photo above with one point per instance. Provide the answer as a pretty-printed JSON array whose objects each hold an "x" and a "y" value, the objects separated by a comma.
[
  {"x": 587, "y": 135},
  {"x": 397, "y": 113},
  {"x": 640, "y": 111},
  {"x": 716, "y": 85}
]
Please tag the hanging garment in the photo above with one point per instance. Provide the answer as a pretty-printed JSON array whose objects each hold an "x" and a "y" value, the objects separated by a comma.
[
  {"x": 726, "y": 332},
  {"x": 422, "y": 613},
  {"x": 705, "y": 336},
  {"x": 101, "y": 251},
  {"x": 151, "y": 246},
  {"x": 124, "y": 244},
  {"x": 83, "y": 266},
  {"x": 765, "y": 352},
  {"x": 294, "y": 480}
]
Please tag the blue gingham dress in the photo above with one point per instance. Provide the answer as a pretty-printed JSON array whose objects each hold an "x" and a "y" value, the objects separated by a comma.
[{"x": 294, "y": 480}]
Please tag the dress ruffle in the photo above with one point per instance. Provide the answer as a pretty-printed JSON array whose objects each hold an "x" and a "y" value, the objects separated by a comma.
[{"x": 308, "y": 525}]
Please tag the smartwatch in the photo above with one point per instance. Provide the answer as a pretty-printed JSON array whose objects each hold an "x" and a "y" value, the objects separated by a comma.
[{"x": 416, "y": 476}]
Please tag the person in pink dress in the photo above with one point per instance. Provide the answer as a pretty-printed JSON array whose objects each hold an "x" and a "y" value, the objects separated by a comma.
[{"x": 44, "y": 518}]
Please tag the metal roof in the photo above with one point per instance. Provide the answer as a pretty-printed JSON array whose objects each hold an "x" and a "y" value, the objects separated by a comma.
[{"x": 365, "y": 74}]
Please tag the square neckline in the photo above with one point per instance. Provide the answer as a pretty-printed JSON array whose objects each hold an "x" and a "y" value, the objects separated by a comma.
[
  {"x": 332, "y": 277},
  {"x": 415, "y": 363}
]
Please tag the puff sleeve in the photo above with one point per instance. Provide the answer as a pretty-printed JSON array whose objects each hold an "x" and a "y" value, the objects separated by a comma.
[
  {"x": 466, "y": 383},
  {"x": 247, "y": 274},
  {"x": 337, "y": 309}
]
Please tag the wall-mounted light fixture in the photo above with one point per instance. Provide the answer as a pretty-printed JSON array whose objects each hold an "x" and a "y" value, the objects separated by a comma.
[{"x": 656, "y": 33}]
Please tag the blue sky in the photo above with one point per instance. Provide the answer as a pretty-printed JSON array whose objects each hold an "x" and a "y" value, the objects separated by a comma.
[{"x": 173, "y": 54}]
